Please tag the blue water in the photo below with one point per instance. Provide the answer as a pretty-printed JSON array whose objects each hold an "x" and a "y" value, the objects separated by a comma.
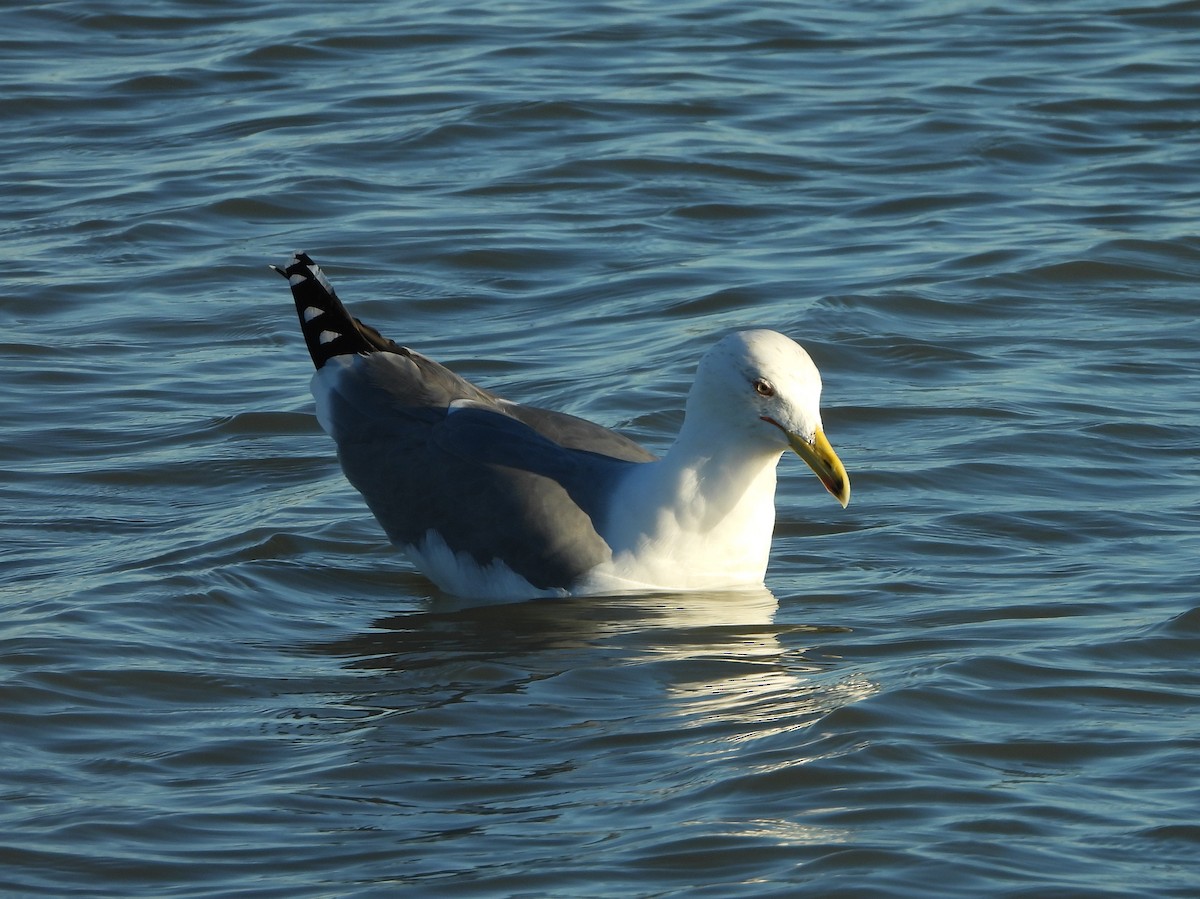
[{"x": 979, "y": 680}]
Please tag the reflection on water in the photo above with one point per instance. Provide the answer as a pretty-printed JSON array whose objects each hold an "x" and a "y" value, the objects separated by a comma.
[
  {"x": 448, "y": 625},
  {"x": 718, "y": 664},
  {"x": 479, "y": 719}
]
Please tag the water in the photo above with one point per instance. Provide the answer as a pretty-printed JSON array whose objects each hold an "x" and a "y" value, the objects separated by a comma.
[{"x": 979, "y": 679}]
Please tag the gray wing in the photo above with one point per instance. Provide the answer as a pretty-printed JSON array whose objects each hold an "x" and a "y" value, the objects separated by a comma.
[
  {"x": 429, "y": 451},
  {"x": 487, "y": 483}
]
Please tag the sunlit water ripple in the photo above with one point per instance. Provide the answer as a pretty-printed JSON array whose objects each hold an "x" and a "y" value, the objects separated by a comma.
[{"x": 978, "y": 680}]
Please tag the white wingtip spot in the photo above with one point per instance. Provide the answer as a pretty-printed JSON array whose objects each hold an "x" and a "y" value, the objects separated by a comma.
[
  {"x": 328, "y": 336},
  {"x": 312, "y": 312}
]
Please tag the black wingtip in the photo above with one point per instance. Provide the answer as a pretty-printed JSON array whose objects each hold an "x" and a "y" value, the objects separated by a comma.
[
  {"x": 327, "y": 327},
  {"x": 329, "y": 330}
]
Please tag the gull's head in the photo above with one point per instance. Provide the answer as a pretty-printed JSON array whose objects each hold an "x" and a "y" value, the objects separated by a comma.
[{"x": 761, "y": 389}]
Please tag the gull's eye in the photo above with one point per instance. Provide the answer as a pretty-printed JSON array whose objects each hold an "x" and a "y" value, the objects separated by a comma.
[{"x": 763, "y": 387}]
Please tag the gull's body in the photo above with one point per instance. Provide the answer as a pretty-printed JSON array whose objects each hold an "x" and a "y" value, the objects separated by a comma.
[{"x": 494, "y": 499}]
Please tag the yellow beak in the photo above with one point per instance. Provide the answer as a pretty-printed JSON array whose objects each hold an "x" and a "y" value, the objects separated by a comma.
[{"x": 824, "y": 461}]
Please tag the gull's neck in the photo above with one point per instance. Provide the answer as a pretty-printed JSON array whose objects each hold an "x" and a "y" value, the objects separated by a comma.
[
  {"x": 701, "y": 517},
  {"x": 707, "y": 477}
]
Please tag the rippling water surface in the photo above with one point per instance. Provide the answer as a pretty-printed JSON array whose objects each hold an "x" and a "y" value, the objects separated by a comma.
[{"x": 980, "y": 679}]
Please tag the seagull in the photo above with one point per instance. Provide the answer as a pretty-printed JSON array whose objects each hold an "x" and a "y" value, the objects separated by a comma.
[{"x": 497, "y": 500}]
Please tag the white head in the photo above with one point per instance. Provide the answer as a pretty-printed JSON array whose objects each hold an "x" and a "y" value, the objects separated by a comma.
[{"x": 761, "y": 390}]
